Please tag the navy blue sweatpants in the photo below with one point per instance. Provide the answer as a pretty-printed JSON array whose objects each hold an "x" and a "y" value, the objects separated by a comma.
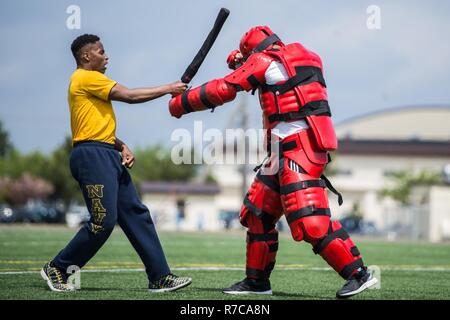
[{"x": 110, "y": 197}]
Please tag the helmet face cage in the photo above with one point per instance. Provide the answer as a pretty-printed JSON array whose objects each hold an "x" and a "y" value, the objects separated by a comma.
[{"x": 252, "y": 38}]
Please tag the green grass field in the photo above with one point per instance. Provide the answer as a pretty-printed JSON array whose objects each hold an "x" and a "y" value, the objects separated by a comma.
[{"x": 408, "y": 270}]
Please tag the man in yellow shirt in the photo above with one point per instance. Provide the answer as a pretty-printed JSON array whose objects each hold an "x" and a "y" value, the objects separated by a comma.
[{"x": 99, "y": 162}]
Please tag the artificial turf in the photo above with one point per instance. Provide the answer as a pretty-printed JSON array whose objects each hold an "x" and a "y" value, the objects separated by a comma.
[{"x": 214, "y": 261}]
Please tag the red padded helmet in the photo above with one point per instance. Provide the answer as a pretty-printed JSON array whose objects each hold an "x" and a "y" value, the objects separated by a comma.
[{"x": 253, "y": 37}]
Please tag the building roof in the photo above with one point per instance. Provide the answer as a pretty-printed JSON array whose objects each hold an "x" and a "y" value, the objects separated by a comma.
[
  {"x": 179, "y": 187},
  {"x": 394, "y": 147},
  {"x": 404, "y": 123}
]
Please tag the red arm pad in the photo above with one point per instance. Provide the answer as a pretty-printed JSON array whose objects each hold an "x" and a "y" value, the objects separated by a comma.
[
  {"x": 209, "y": 95},
  {"x": 251, "y": 74}
]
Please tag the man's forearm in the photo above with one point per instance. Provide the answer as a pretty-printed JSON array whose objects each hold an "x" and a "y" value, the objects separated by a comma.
[
  {"x": 127, "y": 155},
  {"x": 118, "y": 145},
  {"x": 140, "y": 95}
]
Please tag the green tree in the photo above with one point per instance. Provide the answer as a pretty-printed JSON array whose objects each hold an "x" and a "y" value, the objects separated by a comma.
[
  {"x": 53, "y": 168},
  {"x": 34, "y": 163},
  {"x": 15, "y": 165},
  {"x": 154, "y": 163},
  {"x": 405, "y": 180},
  {"x": 5, "y": 145},
  {"x": 332, "y": 168},
  {"x": 58, "y": 173}
]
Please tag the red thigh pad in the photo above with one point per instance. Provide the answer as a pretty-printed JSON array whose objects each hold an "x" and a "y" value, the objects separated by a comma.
[
  {"x": 305, "y": 203},
  {"x": 305, "y": 152}
]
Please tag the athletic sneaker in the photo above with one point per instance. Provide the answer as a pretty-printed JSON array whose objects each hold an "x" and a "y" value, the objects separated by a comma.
[
  {"x": 56, "y": 279},
  {"x": 357, "y": 283},
  {"x": 250, "y": 286},
  {"x": 167, "y": 283}
]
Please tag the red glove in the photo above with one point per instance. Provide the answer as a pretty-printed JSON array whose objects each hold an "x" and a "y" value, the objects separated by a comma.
[
  {"x": 234, "y": 59},
  {"x": 175, "y": 107}
]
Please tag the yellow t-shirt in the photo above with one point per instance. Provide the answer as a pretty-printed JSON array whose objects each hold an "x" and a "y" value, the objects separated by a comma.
[{"x": 91, "y": 113}]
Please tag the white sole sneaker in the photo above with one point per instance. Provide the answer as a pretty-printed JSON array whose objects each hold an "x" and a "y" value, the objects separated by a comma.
[
  {"x": 171, "y": 289},
  {"x": 50, "y": 285},
  {"x": 372, "y": 281},
  {"x": 268, "y": 292}
]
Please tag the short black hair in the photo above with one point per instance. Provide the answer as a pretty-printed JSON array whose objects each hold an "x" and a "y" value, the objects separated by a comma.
[{"x": 80, "y": 42}]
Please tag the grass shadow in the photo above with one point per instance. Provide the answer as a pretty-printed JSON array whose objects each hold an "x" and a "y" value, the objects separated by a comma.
[
  {"x": 274, "y": 295},
  {"x": 301, "y": 295}
]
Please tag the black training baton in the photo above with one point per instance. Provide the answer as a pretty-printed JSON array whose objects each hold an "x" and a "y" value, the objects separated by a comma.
[{"x": 192, "y": 69}]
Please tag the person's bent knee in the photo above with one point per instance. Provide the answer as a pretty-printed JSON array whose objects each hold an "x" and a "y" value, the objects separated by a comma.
[{"x": 105, "y": 228}]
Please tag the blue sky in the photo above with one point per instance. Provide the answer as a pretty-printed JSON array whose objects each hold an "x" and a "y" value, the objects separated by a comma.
[{"x": 406, "y": 62}]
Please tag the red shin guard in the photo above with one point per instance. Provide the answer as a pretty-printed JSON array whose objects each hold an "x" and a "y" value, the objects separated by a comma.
[
  {"x": 261, "y": 253},
  {"x": 339, "y": 251}
]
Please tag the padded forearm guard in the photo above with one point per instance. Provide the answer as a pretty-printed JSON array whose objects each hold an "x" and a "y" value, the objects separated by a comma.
[{"x": 207, "y": 96}]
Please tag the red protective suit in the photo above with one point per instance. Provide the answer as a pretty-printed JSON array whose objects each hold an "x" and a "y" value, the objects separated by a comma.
[{"x": 297, "y": 190}]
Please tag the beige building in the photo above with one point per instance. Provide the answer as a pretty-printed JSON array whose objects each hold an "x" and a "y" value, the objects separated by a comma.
[
  {"x": 424, "y": 123},
  {"x": 181, "y": 206},
  {"x": 374, "y": 146}
]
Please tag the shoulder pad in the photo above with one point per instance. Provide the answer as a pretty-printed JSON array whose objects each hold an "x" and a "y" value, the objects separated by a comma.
[{"x": 251, "y": 74}]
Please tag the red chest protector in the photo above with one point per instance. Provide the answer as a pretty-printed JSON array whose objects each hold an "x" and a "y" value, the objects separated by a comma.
[{"x": 302, "y": 96}]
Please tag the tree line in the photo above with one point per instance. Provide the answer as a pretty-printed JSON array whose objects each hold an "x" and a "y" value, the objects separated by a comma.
[{"x": 47, "y": 177}]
